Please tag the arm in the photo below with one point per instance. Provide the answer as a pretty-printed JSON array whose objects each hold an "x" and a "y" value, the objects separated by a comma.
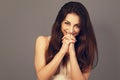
[
  {"x": 45, "y": 71},
  {"x": 76, "y": 73}
]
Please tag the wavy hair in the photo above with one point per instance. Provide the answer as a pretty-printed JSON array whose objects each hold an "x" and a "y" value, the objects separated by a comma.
[{"x": 85, "y": 46}]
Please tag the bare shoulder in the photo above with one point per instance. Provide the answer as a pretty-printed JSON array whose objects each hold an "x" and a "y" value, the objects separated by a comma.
[
  {"x": 43, "y": 41},
  {"x": 43, "y": 38}
]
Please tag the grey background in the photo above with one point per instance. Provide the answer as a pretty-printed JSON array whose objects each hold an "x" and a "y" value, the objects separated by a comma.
[{"x": 22, "y": 21}]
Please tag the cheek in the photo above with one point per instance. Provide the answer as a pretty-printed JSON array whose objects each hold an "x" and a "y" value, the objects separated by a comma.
[{"x": 77, "y": 31}]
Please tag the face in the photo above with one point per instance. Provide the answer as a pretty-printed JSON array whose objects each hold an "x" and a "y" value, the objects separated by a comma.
[{"x": 71, "y": 24}]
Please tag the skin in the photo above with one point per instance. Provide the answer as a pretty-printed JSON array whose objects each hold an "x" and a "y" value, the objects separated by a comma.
[
  {"x": 71, "y": 25},
  {"x": 70, "y": 29}
]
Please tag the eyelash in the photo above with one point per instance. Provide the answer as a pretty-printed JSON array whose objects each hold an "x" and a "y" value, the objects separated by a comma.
[
  {"x": 78, "y": 26},
  {"x": 67, "y": 23}
]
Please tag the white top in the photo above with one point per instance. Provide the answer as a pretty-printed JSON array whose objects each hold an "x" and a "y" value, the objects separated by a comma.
[{"x": 64, "y": 73}]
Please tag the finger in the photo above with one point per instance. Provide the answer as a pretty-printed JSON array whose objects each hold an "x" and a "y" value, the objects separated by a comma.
[
  {"x": 66, "y": 36},
  {"x": 69, "y": 37},
  {"x": 72, "y": 37},
  {"x": 72, "y": 41}
]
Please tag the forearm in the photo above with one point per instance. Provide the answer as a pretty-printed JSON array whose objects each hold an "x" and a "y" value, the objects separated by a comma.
[
  {"x": 76, "y": 73},
  {"x": 46, "y": 72}
]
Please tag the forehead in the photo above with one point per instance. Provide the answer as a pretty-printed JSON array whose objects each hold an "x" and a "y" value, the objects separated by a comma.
[{"x": 73, "y": 18}]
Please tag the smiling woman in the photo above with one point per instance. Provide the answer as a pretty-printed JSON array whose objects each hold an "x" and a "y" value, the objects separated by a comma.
[
  {"x": 69, "y": 53},
  {"x": 71, "y": 24}
]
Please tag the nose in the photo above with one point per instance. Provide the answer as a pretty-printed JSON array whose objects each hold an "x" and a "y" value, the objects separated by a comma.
[{"x": 71, "y": 29}]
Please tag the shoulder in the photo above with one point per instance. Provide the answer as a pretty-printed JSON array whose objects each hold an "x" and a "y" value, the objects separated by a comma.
[
  {"x": 42, "y": 38},
  {"x": 42, "y": 41}
]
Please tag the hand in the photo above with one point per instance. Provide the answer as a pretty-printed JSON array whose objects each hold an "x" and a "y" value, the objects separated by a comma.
[
  {"x": 71, "y": 46},
  {"x": 67, "y": 40}
]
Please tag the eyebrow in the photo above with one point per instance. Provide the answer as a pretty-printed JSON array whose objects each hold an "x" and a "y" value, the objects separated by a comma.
[
  {"x": 67, "y": 20},
  {"x": 70, "y": 22}
]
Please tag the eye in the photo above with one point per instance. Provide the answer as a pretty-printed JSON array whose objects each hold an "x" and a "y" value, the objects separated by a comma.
[
  {"x": 68, "y": 23},
  {"x": 77, "y": 25}
]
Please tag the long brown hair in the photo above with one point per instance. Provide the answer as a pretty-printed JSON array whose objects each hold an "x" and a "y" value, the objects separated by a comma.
[{"x": 85, "y": 46}]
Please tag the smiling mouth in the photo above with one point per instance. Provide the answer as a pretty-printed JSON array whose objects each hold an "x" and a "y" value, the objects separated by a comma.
[{"x": 74, "y": 33}]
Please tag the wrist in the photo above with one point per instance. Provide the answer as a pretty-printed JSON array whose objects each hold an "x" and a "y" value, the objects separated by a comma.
[
  {"x": 63, "y": 49},
  {"x": 71, "y": 48},
  {"x": 72, "y": 53}
]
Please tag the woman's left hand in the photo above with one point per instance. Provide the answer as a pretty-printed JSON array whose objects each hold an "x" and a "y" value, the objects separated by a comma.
[{"x": 71, "y": 46}]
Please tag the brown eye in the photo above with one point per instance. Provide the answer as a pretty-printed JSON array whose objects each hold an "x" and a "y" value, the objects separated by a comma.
[
  {"x": 77, "y": 25},
  {"x": 67, "y": 23}
]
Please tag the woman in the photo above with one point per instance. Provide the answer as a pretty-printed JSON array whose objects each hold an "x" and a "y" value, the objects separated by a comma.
[{"x": 69, "y": 53}]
